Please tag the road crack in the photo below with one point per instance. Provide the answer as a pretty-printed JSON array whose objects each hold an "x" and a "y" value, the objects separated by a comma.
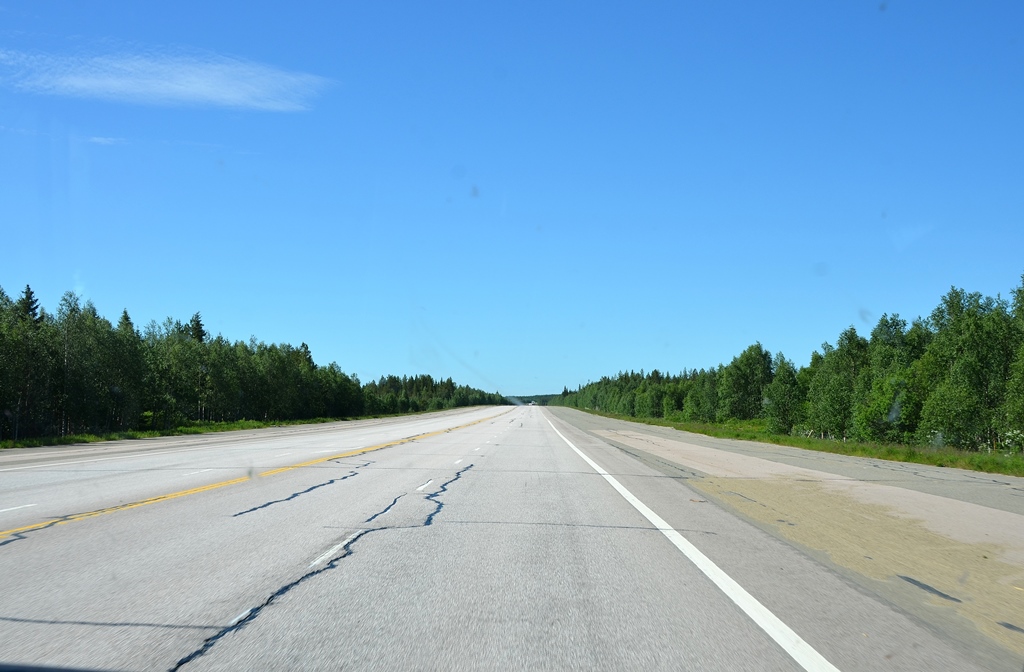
[
  {"x": 385, "y": 509},
  {"x": 433, "y": 497},
  {"x": 344, "y": 552},
  {"x": 297, "y": 494},
  {"x": 254, "y": 613}
]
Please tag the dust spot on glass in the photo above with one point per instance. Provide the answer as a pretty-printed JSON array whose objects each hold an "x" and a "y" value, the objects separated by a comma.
[
  {"x": 459, "y": 172},
  {"x": 474, "y": 192},
  {"x": 865, "y": 315},
  {"x": 821, "y": 269}
]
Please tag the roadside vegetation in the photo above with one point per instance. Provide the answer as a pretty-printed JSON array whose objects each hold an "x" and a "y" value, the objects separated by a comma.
[
  {"x": 73, "y": 376},
  {"x": 947, "y": 389}
]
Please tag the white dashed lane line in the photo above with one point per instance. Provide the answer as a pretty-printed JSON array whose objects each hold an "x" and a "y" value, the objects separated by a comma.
[
  {"x": 335, "y": 549},
  {"x": 15, "y": 508}
]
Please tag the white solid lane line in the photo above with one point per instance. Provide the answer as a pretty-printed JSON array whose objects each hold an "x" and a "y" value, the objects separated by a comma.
[
  {"x": 420, "y": 489},
  {"x": 802, "y": 652},
  {"x": 335, "y": 549},
  {"x": 15, "y": 508}
]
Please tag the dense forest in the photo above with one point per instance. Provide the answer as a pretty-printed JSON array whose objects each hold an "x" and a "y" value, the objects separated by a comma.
[
  {"x": 75, "y": 372},
  {"x": 955, "y": 378}
]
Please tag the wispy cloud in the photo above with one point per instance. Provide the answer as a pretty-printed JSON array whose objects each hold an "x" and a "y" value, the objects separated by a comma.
[
  {"x": 162, "y": 79},
  {"x": 100, "y": 140}
]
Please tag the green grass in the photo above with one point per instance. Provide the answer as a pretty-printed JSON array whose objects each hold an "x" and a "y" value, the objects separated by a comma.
[{"x": 756, "y": 430}]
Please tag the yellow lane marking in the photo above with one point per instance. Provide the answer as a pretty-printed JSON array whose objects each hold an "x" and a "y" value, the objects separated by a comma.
[
  {"x": 213, "y": 486},
  {"x": 360, "y": 451},
  {"x": 120, "y": 507}
]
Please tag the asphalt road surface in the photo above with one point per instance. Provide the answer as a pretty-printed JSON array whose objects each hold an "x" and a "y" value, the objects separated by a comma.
[{"x": 502, "y": 538}]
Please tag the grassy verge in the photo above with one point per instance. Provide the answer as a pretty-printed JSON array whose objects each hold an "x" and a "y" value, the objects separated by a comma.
[{"x": 755, "y": 430}]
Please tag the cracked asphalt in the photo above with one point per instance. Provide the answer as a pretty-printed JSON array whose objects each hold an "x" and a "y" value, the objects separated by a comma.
[{"x": 490, "y": 546}]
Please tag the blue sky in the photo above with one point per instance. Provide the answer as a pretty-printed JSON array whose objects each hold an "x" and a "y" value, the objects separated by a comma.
[{"x": 522, "y": 197}]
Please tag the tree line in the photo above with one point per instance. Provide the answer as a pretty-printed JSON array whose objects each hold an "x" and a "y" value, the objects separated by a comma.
[
  {"x": 74, "y": 372},
  {"x": 954, "y": 378}
]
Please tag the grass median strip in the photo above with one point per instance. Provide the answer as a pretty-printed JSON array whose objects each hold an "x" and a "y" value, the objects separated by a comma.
[{"x": 53, "y": 522}]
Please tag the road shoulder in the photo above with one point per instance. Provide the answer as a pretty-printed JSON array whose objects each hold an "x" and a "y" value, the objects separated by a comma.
[{"x": 953, "y": 563}]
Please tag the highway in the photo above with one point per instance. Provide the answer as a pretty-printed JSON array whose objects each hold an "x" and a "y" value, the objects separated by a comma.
[{"x": 502, "y": 538}]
